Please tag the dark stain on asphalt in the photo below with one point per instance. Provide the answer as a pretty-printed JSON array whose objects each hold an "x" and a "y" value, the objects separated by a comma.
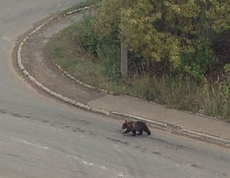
[
  {"x": 157, "y": 153},
  {"x": 75, "y": 129},
  {"x": 196, "y": 166},
  {"x": 117, "y": 141},
  {"x": 18, "y": 115},
  {"x": 16, "y": 156}
]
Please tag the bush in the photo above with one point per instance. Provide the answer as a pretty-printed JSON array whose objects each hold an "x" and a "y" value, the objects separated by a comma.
[
  {"x": 87, "y": 36},
  {"x": 197, "y": 64},
  {"x": 108, "y": 50}
]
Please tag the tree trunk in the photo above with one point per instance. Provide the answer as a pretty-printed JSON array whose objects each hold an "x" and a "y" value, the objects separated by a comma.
[{"x": 124, "y": 53}]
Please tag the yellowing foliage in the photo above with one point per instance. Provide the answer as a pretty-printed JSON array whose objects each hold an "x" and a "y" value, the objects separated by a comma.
[{"x": 164, "y": 29}]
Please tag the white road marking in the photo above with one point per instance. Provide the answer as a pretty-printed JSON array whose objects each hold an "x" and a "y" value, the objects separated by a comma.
[
  {"x": 117, "y": 148},
  {"x": 87, "y": 163},
  {"x": 90, "y": 164},
  {"x": 120, "y": 175},
  {"x": 31, "y": 144},
  {"x": 103, "y": 167}
]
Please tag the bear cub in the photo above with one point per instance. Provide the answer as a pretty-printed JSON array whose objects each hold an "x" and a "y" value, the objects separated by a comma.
[{"x": 134, "y": 126}]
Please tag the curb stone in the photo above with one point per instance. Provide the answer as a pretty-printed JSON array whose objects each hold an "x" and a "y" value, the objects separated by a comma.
[
  {"x": 159, "y": 125},
  {"x": 82, "y": 83},
  {"x": 100, "y": 111},
  {"x": 204, "y": 137}
]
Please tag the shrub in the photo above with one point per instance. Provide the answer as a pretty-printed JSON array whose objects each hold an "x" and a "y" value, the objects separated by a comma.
[
  {"x": 87, "y": 36},
  {"x": 197, "y": 64}
]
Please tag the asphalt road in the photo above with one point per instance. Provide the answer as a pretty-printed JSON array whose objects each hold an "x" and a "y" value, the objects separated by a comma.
[{"x": 43, "y": 138}]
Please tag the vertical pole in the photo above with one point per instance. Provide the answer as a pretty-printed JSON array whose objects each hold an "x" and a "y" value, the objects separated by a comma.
[
  {"x": 124, "y": 60},
  {"x": 124, "y": 53}
]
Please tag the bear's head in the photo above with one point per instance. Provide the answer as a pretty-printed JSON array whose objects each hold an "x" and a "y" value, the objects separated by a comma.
[{"x": 124, "y": 125}]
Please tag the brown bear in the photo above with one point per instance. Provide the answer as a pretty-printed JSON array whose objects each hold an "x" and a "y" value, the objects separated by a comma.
[{"x": 133, "y": 126}]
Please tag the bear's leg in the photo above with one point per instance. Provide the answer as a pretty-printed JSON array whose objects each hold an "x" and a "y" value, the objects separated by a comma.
[
  {"x": 140, "y": 132},
  {"x": 127, "y": 131},
  {"x": 147, "y": 131},
  {"x": 134, "y": 133}
]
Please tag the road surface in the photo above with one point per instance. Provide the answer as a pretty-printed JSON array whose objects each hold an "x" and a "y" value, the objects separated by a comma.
[{"x": 43, "y": 138}]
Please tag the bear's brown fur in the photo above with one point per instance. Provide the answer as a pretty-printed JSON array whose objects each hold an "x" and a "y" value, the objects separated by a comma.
[{"x": 134, "y": 126}]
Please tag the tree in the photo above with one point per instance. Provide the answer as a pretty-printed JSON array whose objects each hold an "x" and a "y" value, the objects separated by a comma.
[
  {"x": 108, "y": 19},
  {"x": 166, "y": 29}
]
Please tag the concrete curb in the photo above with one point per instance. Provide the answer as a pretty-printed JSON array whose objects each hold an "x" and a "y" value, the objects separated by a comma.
[
  {"x": 159, "y": 125},
  {"x": 79, "y": 10},
  {"x": 82, "y": 83}
]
